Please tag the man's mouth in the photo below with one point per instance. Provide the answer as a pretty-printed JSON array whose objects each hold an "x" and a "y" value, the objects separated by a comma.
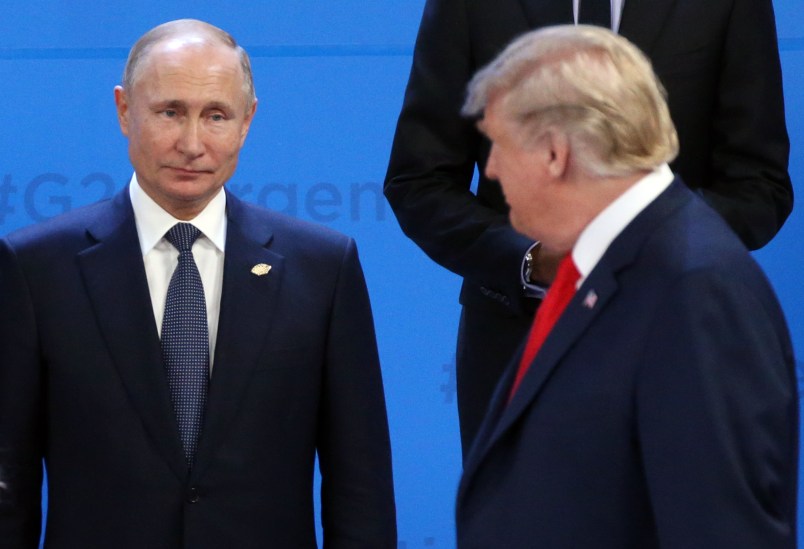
[{"x": 189, "y": 172}]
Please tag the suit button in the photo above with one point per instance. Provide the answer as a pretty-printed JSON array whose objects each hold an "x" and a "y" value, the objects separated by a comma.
[{"x": 192, "y": 495}]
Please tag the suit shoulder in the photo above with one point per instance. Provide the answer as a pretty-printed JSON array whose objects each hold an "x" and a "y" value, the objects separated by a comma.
[
  {"x": 293, "y": 231},
  {"x": 698, "y": 237},
  {"x": 692, "y": 241},
  {"x": 60, "y": 232}
]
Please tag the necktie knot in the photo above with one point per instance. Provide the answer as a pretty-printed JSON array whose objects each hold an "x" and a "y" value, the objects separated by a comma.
[
  {"x": 558, "y": 297},
  {"x": 567, "y": 277},
  {"x": 182, "y": 236}
]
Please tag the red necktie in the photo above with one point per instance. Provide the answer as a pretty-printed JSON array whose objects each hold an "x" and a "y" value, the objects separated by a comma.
[{"x": 556, "y": 300}]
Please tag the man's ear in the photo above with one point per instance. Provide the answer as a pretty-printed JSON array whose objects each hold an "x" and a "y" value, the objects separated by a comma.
[
  {"x": 247, "y": 122},
  {"x": 558, "y": 147},
  {"x": 121, "y": 101}
]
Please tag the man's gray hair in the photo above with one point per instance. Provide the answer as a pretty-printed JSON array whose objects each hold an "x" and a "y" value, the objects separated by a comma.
[
  {"x": 588, "y": 82},
  {"x": 186, "y": 27}
]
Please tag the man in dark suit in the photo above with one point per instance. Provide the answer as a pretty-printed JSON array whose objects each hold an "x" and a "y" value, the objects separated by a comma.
[
  {"x": 718, "y": 60},
  {"x": 654, "y": 404},
  {"x": 140, "y": 453}
]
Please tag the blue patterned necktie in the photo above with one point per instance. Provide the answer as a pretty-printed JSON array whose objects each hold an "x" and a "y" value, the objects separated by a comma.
[
  {"x": 185, "y": 340},
  {"x": 595, "y": 12}
]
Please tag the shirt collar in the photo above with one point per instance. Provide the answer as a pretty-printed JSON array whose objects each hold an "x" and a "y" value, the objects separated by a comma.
[
  {"x": 153, "y": 221},
  {"x": 601, "y": 232}
]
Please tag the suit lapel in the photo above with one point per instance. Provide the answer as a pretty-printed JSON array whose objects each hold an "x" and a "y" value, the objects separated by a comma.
[
  {"x": 510, "y": 19},
  {"x": 568, "y": 329},
  {"x": 587, "y": 304},
  {"x": 642, "y": 21},
  {"x": 114, "y": 276},
  {"x": 248, "y": 307}
]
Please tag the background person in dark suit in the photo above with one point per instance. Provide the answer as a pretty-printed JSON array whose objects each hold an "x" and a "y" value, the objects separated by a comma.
[
  {"x": 719, "y": 62},
  {"x": 661, "y": 408},
  {"x": 292, "y": 364}
]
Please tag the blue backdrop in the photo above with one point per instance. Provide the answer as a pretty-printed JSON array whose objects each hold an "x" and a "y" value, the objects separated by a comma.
[{"x": 330, "y": 77}]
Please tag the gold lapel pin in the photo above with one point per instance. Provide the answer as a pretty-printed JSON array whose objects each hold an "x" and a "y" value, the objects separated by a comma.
[{"x": 261, "y": 269}]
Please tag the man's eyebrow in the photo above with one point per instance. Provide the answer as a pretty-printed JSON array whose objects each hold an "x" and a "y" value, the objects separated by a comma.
[
  {"x": 170, "y": 104},
  {"x": 179, "y": 104},
  {"x": 218, "y": 105}
]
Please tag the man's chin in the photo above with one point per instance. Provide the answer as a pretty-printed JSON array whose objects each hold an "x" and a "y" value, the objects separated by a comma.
[{"x": 187, "y": 185}]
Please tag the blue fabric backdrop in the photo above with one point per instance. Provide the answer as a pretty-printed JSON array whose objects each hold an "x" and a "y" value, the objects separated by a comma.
[{"x": 330, "y": 77}]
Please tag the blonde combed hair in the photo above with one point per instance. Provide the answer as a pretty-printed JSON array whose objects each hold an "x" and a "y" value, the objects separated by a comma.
[{"x": 592, "y": 84}]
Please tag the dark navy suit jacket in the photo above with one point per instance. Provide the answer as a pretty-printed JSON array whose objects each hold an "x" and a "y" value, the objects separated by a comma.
[
  {"x": 82, "y": 385},
  {"x": 719, "y": 61},
  {"x": 661, "y": 411}
]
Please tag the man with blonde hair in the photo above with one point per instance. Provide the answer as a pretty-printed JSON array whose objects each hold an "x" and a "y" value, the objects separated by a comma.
[
  {"x": 718, "y": 60},
  {"x": 653, "y": 403}
]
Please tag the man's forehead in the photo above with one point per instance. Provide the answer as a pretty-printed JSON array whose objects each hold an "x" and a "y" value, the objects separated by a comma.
[
  {"x": 489, "y": 118},
  {"x": 189, "y": 77},
  {"x": 177, "y": 42},
  {"x": 193, "y": 45},
  {"x": 187, "y": 41},
  {"x": 201, "y": 62}
]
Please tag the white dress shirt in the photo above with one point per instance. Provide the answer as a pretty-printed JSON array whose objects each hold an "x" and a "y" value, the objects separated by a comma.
[
  {"x": 596, "y": 238},
  {"x": 160, "y": 257},
  {"x": 616, "y": 12}
]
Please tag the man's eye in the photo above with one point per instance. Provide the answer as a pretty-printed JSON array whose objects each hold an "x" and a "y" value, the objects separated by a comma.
[
  {"x": 217, "y": 117},
  {"x": 170, "y": 113}
]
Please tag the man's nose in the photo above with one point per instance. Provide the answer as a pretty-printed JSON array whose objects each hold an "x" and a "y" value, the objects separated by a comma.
[{"x": 190, "y": 142}]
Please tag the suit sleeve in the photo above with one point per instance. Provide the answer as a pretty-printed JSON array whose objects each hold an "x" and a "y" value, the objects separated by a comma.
[
  {"x": 21, "y": 430},
  {"x": 357, "y": 493},
  {"x": 717, "y": 418},
  {"x": 428, "y": 182},
  {"x": 751, "y": 186}
]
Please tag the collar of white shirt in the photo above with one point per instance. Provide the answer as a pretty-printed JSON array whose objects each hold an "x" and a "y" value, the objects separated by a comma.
[
  {"x": 153, "y": 221},
  {"x": 596, "y": 238}
]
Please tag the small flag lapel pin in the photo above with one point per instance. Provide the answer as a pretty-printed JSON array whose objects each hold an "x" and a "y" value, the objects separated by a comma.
[{"x": 590, "y": 300}]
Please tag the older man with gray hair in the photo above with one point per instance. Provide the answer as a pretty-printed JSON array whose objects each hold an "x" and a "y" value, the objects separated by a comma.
[
  {"x": 653, "y": 403},
  {"x": 179, "y": 359}
]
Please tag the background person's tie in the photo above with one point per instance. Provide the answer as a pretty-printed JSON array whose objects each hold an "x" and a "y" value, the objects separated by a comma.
[
  {"x": 185, "y": 340},
  {"x": 558, "y": 296},
  {"x": 595, "y": 12}
]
